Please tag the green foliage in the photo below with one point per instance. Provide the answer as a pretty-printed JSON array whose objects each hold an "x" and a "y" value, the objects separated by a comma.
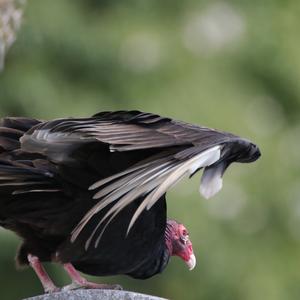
[{"x": 233, "y": 65}]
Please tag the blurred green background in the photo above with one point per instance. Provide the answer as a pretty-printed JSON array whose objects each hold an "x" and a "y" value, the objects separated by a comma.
[{"x": 233, "y": 65}]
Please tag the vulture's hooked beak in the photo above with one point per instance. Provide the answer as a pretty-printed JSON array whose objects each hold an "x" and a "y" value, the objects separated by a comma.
[{"x": 191, "y": 263}]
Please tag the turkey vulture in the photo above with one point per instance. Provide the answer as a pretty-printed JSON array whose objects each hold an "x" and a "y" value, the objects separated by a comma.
[{"x": 89, "y": 193}]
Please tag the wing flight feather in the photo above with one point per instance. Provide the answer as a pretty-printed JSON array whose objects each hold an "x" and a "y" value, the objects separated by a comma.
[{"x": 181, "y": 149}]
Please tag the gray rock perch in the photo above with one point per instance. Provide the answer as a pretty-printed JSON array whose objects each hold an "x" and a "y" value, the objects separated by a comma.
[{"x": 95, "y": 295}]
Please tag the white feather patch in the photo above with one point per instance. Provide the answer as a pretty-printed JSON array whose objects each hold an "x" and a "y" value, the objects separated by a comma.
[
  {"x": 201, "y": 160},
  {"x": 154, "y": 182},
  {"x": 211, "y": 181}
]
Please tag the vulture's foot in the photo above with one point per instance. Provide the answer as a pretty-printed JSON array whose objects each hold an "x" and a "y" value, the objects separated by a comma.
[
  {"x": 91, "y": 285},
  {"x": 79, "y": 282}
]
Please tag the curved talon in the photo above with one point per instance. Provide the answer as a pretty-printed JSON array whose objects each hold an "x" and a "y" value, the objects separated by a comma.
[
  {"x": 117, "y": 287},
  {"x": 52, "y": 290},
  {"x": 91, "y": 285},
  {"x": 79, "y": 282},
  {"x": 72, "y": 286}
]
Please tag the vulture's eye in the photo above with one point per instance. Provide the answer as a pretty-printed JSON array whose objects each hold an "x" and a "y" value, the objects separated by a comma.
[{"x": 185, "y": 232}]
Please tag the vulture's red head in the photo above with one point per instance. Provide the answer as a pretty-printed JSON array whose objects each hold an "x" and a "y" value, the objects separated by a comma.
[{"x": 179, "y": 244}]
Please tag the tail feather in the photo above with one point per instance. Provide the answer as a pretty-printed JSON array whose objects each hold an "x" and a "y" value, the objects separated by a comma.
[
  {"x": 16, "y": 178},
  {"x": 11, "y": 129},
  {"x": 21, "y": 172},
  {"x": 22, "y": 124}
]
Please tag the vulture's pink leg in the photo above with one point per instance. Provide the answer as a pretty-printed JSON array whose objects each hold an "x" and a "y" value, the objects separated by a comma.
[
  {"x": 49, "y": 286},
  {"x": 79, "y": 282}
]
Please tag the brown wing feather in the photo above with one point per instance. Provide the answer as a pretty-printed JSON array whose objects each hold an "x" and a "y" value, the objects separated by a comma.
[{"x": 123, "y": 131}]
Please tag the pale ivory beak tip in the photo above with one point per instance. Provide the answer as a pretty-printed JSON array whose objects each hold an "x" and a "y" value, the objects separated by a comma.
[{"x": 191, "y": 263}]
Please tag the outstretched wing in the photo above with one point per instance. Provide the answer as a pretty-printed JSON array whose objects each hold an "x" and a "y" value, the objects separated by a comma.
[
  {"x": 122, "y": 130},
  {"x": 182, "y": 149}
]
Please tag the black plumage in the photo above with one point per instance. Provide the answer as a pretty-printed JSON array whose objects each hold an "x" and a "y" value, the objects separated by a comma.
[{"x": 91, "y": 191}]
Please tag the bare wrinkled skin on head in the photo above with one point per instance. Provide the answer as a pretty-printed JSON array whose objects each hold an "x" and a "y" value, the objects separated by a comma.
[{"x": 179, "y": 244}]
